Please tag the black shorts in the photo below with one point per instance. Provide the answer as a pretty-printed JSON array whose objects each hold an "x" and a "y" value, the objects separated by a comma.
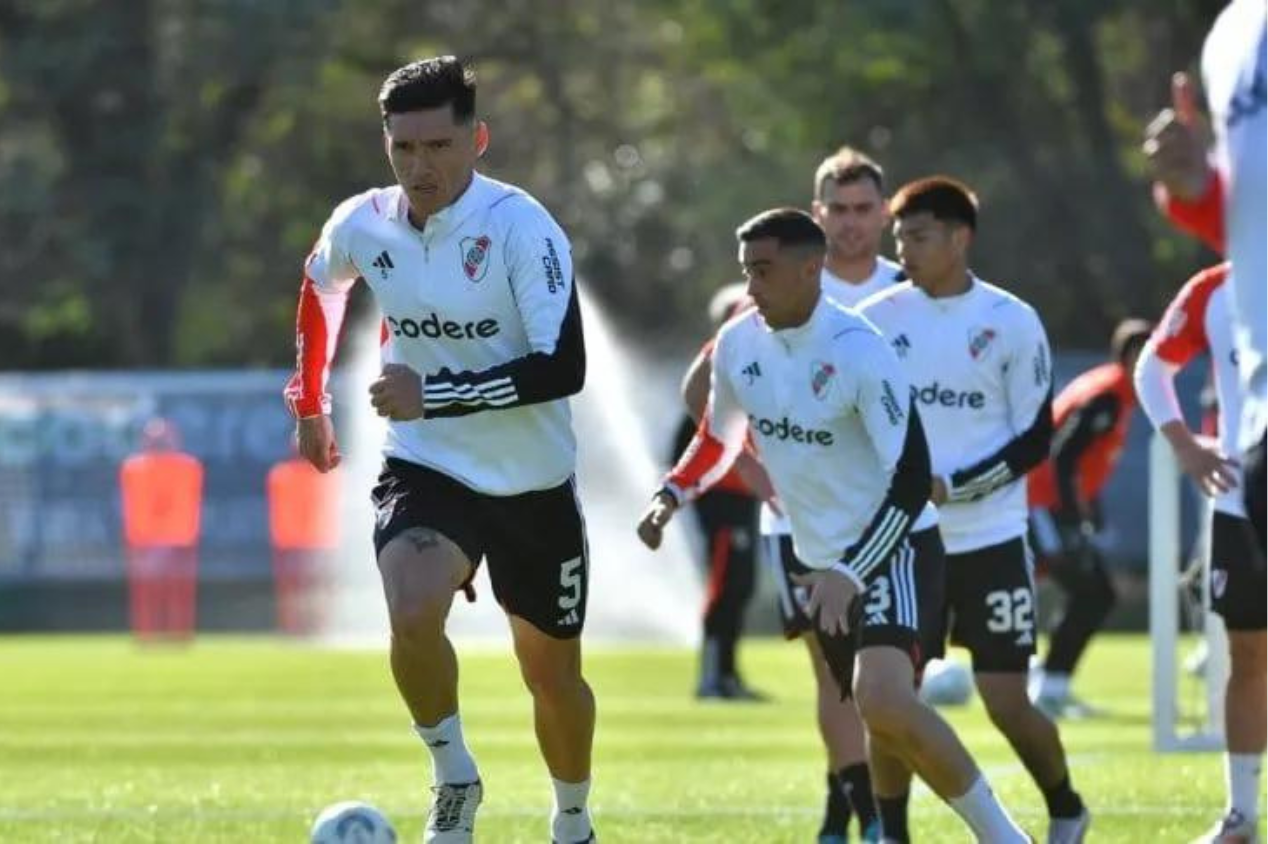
[
  {"x": 891, "y": 613},
  {"x": 1239, "y": 589},
  {"x": 990, "y": 605},
  {"x": 535, "y": 542}
]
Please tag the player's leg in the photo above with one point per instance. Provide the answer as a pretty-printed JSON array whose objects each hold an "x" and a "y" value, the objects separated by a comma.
[
  {"x": 898, "y": 722},
  {"x": 849, "y": 780},
  {"x": 539, "y": 568},
  {"x": 840, "y": 727},
  {"x": 728, "y": 522},
  {"x": 996, "y": 621},
  {"x": 421, "y": 566},
  {"x": 1238, "y": 594},
  {"x": 1090, "y": 596}
]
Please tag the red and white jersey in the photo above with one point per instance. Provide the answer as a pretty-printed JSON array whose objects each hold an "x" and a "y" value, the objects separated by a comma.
[
  {"x": 829, "y": 412},
  {"x": 482, "y": 304},
  {"x": 1198, "y": 321},
  {"x": 980, "y": 374},
  {"x": 849, "y": 294}
]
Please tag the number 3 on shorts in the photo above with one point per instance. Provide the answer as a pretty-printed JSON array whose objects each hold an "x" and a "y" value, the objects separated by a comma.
[{"x": 570, "y": 580}]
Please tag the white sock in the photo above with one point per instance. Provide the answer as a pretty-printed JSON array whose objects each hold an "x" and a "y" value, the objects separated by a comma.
[
  {"x": 988, "y": 819},
  {"x": 570, "y": 820},
  {"x": 451, "y": 762},
  {"x": 1241, "y": 771},
  {"x": 1055, "y": 686}
]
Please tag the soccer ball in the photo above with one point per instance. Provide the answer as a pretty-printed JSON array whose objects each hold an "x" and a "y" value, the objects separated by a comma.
[
  {"x": 352, "y": 822},
  {"x": 946, "y": 683}
]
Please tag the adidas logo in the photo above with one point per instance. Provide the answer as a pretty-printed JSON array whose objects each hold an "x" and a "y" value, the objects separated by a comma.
[
  {"x": 438, "y": 743},
  {"x": 751, "y": 372},
  {"x": 572, "y": 810},
  {"x": 569, "y": 619},
  {"x": 1026, "y": 638},
  {"x": 383, "y": 263},
  {"x": 901, "y": 345}
]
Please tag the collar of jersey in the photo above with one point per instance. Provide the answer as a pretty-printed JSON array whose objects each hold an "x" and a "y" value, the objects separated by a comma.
[
  {"x": 948, "y": 302},
  {"x": 790, "y": 338},
  {"x": 447, "y": 218}
]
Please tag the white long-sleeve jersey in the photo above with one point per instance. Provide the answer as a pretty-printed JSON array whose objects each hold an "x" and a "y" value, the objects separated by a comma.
[
  {"x": 482, "y": 305},
  {"x": 1198, "y": 321},
  {"x": 843, "y": 293},
  {"x": 981, "y": 377},
  {"x": 1233, "y": 73},
  {"x": 830, "y": 415}
]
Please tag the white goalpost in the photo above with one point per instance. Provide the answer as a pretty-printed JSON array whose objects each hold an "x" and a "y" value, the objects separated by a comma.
[{"x": 1180, "y": 722}]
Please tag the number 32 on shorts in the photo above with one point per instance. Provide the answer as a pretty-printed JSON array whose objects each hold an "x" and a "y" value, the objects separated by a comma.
[{"x": 1012, "y": 611}]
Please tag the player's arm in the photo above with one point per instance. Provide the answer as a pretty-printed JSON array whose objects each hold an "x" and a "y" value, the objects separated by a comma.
[
  {"x": 882, "y": 398},
  {"x": 1075, "y": 436},
  {"x": 539, "y": 262},
  {"x": 695, "y": 382},
  {"x": 1186, "y": 187},
  {"x": 329, "y": 274},
  {"x": 1028, "y": 391},
  {"x": 1179, "y": 337}
]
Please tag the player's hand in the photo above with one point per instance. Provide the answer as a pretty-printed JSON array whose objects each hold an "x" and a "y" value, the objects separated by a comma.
[
  {"x": 753, "y": 473},
  {"x": 651, "y": 528},
  {"x": 1201, "y": 460},
  {"x": 830, "y": 596},
  {"x": 315, "y": 439},
  {"x": 938, "y": 494},
  {"x": 1176, "y": 142},
  {"x": 397, "y": 393}
]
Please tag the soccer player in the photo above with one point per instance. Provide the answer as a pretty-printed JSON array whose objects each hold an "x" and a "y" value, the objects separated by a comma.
[
  {"x": 977, "y": 359},
  {"x": 483, "y": 344},
  {"x": 727, "y": 517},
  {"x": 1092, "y": 413},
  {"x": 1197, "y": 322},
  {"x": 826, "y": 405},
  {"x": 849, "y": 204},
  {"x": 1224, "y": 200}
]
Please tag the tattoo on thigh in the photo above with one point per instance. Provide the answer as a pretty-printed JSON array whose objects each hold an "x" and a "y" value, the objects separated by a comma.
[{"x": 422, "y": 538}]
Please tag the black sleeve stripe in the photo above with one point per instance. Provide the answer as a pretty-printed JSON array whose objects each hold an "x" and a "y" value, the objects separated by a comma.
[
  {"x": 906, "y": 497},
  {"x": 534, "y": 378},
  {"x": 1008, "y": 463}
]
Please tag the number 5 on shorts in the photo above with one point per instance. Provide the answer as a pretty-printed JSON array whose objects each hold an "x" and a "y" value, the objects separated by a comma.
[{"x": 570, "y": 580}]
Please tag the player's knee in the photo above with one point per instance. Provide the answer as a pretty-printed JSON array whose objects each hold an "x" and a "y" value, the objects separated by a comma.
[
  {"x": 550, "y": 679},
  {"x": 883, "y": 703},
  {"x": 1007, "y": 708},
  {"x": 1246, "y": 654}
]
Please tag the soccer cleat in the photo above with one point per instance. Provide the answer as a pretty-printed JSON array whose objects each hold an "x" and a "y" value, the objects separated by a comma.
[
  {"x": 452, "y": 816},
  {"x": 833, "y": 839},
  {"x": 1069, "y": 830},
  {"x": 1233, "y": 828}
]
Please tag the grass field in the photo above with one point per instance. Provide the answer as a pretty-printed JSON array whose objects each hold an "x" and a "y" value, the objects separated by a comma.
[{"x": 243, "y": 740}]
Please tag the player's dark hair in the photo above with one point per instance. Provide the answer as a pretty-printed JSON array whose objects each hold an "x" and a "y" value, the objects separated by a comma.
[
  {"x": 846, "y": 166},
  {"x": 948, "y": 200},
  {"x": 791, "y": 227},
  {"x": 427, "y": 84},
  {"x": 1129, "y": 336}
]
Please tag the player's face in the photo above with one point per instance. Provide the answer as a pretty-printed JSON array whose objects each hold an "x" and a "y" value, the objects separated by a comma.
[
  {"x": 782, "y": 282},
  {"x": 854, "y": 218},
  {"x": 433, "y": 155},
  {"x": 930, "y": 250}
]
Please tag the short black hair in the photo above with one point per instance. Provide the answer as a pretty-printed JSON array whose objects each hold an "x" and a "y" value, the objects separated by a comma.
[
  {"x": 430, "y": 83},
  {"x": 789, "y": 226},
  {"x": 846, "y": 166},
  {"x": 1130, "y": 335},
  {"x": 948, "y": 200}
]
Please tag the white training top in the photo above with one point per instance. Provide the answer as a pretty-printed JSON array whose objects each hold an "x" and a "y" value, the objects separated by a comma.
[
  {"x": 849, "y": 294},
  {"x": 828, "y": 408},
  {"x": 1233, "y": 72},
  {"x": 483, "y": 306},
  {"x": 981, "y": 379}
]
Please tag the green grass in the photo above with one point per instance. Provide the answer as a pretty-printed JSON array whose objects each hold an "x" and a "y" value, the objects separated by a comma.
[{"x": 243, "y": 740}]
